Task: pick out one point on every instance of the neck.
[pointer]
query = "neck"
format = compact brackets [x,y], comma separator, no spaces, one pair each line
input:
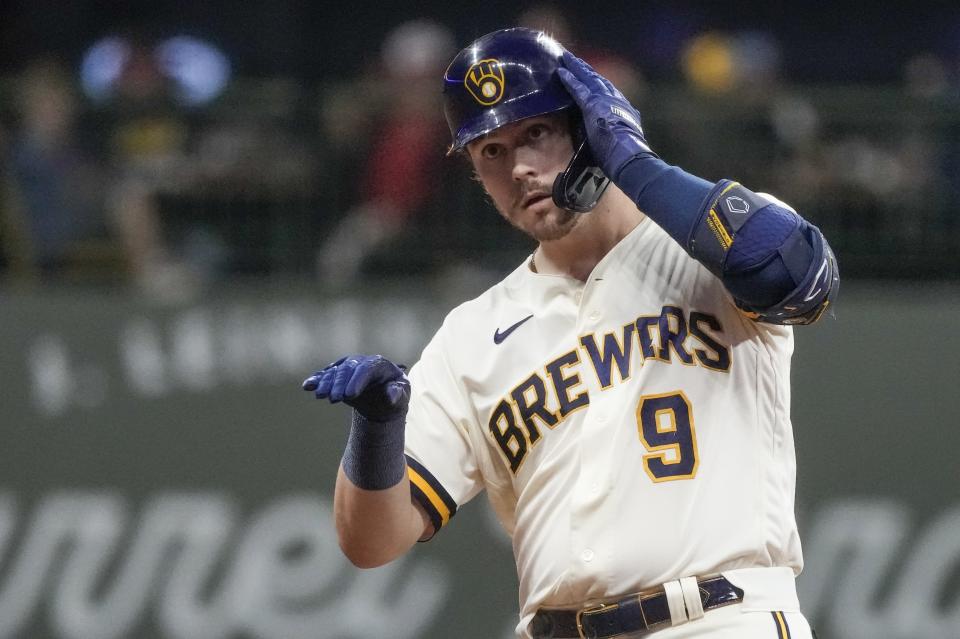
[577,253]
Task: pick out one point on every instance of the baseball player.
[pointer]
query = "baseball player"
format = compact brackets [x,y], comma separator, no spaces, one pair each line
[623,395]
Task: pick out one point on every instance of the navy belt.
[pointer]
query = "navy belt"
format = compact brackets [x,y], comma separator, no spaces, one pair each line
[645,611]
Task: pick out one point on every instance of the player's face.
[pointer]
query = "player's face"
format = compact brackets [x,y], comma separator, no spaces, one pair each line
[517,165]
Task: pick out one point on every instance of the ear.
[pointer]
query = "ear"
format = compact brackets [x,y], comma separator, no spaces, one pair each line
[467,156]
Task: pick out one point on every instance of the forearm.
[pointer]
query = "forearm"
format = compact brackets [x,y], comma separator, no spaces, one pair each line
[376,518]
[376,526]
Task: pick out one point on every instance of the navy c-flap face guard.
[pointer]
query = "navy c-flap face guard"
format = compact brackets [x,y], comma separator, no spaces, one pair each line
[579,187]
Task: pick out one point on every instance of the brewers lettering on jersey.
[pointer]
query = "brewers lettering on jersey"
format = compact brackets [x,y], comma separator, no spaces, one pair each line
[623,395]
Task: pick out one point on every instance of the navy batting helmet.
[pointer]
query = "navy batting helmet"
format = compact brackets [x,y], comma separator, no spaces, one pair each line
[502,77]
[509,75]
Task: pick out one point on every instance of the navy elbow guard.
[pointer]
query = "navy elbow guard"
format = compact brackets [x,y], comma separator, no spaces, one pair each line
[781,269]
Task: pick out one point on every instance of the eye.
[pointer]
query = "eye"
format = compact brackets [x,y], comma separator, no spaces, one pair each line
[537,131]
[491,151]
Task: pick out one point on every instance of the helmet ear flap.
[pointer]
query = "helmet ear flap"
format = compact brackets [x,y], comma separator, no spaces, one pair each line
[579,187]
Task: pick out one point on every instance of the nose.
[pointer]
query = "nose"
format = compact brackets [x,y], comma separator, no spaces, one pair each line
[524,163]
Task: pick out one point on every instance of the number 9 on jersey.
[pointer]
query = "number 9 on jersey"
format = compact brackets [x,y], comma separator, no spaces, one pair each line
[665,424]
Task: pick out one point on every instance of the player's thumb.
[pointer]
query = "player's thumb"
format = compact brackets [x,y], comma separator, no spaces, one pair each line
[397,393]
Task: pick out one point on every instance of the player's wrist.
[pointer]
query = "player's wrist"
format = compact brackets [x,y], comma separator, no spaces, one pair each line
[630,149]
[667,194]
[373,458]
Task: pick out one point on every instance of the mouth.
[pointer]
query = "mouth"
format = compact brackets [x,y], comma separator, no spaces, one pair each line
[534,198]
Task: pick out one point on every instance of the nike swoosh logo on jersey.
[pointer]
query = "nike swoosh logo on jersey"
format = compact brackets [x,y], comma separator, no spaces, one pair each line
[498,337]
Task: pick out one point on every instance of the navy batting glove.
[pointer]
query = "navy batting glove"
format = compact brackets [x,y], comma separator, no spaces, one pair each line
[372,385]
[378,391]
[612,124]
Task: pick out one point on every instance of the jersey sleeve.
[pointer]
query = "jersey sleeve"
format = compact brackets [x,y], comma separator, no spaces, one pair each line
[441,463]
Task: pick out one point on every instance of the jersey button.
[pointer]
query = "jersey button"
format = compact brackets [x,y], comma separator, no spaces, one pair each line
[577,297]
[594,316]
[587,555]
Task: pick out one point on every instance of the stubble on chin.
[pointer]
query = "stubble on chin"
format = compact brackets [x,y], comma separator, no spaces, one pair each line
[555,225]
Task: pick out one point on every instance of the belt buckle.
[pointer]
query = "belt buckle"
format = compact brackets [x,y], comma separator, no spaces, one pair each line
[593,610]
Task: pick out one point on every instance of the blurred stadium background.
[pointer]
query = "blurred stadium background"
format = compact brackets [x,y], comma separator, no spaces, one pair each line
[200,203]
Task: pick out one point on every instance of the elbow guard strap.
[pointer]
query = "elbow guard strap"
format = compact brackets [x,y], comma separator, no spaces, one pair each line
[727,209]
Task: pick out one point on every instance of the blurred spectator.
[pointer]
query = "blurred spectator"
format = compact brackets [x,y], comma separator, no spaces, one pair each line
[931,153]
[719,119]
[87,206]
[398,179]
[249,204]
[800,171]
[53,220]
[747,62]
[551,18]
[147,139]
[204,189]
[708,63]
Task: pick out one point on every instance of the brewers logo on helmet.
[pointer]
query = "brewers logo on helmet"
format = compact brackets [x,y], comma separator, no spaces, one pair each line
[484,81]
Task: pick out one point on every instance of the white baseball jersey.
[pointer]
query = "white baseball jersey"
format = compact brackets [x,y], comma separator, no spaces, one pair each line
[629,430]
